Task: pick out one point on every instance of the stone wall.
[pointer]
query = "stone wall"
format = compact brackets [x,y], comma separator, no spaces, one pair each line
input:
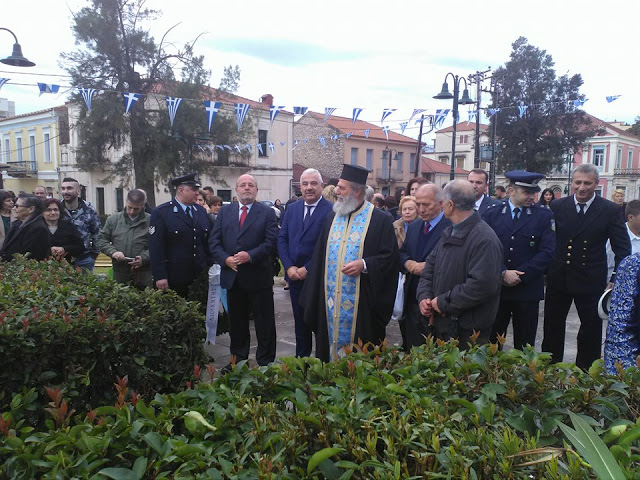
[328,161]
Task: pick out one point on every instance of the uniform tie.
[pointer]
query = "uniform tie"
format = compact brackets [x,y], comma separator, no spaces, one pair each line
[581,212]
[516,214]
[187,211]
[243,215]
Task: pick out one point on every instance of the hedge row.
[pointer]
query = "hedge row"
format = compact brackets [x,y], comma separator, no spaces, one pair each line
[61,327]
[435,413]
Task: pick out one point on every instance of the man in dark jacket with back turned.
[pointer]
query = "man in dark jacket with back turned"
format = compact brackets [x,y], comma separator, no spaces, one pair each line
[460,284]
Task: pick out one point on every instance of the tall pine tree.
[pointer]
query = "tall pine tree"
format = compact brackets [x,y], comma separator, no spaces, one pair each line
[117,53]
[551,126]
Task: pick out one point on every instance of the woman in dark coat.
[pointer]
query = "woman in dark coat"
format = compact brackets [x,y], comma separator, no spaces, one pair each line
[64,240]
[28,234]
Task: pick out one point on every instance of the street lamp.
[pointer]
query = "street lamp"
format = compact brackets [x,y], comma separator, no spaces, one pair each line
[16,59]
[389,151]
[465,100]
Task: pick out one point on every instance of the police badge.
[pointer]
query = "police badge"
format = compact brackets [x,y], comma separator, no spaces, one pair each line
[152,229]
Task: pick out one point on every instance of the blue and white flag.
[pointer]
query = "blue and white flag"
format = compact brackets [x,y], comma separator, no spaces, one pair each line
[386,112]
[241,113]
[323,142]
[283,143]
[328,111]
[295,144]
[416,112]
[522,109]
[48,88]
[385,129]
[579,102]
[273,112]
[347,135]
[441,115]
[238,148]
[493,111]
[259,147]
[3,81]
[228,147]
[335,136]
[300,110]
[403,127]
[272,147]
[173,103]
[130,100]
[611,98]
[367,132]
[221,147]
[248,147]
[306,140]
[212,110]
[356,114]
[471,116]
[87,94]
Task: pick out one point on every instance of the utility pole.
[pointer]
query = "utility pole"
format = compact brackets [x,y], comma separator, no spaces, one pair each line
[418,162]
[477,78]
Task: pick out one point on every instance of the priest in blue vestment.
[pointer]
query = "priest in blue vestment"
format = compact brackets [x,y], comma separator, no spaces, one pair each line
[351,283]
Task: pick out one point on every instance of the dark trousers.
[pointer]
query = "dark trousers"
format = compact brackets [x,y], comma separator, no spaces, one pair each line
[260,302]
[447,328]
[417,326]
[525,322]
[556,308]
[304,342]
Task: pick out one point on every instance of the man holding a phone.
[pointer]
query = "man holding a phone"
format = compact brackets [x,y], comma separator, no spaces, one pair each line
[125,238]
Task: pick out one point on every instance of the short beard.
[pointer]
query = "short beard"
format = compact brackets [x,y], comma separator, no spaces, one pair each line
[346,206]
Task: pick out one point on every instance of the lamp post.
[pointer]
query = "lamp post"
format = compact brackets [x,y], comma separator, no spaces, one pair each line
[465,100]
[16,59]
[569,167]
[389,152]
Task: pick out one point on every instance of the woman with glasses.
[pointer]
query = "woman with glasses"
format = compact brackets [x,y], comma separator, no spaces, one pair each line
[6,208]
[65,240]
[28,234]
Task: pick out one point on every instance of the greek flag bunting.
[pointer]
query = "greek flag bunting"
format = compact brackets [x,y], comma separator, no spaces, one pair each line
[221,147]
[328,111]
[323,142]
[347,135]
[48,88]
[403,127]
[385,129]
[356,114]
[441,115]
[579,102]
[173,103]
[248,147]
[367,132]
[3,81]
[241,113]
[282,143]
[386,112]
[493,111]
[238,148]
[471,116]
[416,112]
[272,147]
[522,109]
[130,100]
[228,147]
[212,110]
[611,98]
[273,112]
[300,110]
[259,147]
[335,136]
[87,94]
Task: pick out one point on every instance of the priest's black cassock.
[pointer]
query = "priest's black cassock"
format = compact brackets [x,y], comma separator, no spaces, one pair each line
[377,287]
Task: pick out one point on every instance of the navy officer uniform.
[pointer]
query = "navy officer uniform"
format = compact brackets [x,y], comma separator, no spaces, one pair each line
[179,240]
[527,234]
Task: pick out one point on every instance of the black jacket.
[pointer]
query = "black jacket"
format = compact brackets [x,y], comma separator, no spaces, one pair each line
[67,237]
[30,236]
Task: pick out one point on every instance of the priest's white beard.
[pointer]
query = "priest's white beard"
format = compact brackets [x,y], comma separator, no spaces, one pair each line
[346,206]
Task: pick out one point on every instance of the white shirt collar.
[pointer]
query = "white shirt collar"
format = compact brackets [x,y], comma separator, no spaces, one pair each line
[587,204]
[632,236]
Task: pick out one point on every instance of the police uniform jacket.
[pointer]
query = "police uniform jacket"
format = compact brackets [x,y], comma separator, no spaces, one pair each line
[178,244]
[528,246]
[580,262]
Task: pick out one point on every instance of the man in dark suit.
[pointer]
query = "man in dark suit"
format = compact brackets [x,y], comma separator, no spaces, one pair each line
[179,238]
[528,243]
[243,241]
[479,178]
[422,237]
[301,227]
[584,222]
[28,233]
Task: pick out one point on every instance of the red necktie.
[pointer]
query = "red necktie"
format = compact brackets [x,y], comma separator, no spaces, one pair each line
[427,227]
[243,215]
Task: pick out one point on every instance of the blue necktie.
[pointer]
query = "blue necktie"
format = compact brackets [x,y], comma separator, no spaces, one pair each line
[307,216]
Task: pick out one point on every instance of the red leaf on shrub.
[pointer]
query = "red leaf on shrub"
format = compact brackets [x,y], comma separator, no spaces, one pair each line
[134,399]
[81,300]
[34,309]
[211,369]
[25,324]
[101,421]
[196,371]
[67,318]
[188,384]
[91,415]
[4,426]
[55,395]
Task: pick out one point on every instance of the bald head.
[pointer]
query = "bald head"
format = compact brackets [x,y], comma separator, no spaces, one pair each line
[246,189]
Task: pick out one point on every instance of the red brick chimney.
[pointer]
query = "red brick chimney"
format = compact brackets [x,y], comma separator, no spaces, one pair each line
[267,99]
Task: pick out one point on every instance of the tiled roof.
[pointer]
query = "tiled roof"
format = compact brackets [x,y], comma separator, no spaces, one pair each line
[430,165]
[37,112]
[345,125]
[601,123]
[463,127]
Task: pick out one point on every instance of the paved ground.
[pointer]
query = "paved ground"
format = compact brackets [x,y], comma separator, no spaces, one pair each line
[287,342]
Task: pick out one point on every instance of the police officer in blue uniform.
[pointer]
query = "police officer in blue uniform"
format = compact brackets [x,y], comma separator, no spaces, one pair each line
[527,233]
[179,238]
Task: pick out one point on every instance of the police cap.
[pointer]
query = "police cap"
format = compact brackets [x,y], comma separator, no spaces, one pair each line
[528,180]
[189,179]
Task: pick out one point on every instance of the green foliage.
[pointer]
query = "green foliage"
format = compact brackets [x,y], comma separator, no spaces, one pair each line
[635,128]
[435,413]
[551,126]
[60,327]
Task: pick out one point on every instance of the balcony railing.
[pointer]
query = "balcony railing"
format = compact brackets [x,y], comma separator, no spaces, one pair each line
[22,168]
[626,171]
[382,175]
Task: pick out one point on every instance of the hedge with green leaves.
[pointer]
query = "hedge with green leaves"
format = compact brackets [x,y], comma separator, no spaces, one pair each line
[61,327]
[434,413]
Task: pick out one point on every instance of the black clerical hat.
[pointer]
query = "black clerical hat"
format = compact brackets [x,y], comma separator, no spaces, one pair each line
[354,173]
[189,179]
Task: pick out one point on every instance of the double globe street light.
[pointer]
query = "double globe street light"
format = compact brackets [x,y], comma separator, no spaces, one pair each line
[465,100]
[16,59]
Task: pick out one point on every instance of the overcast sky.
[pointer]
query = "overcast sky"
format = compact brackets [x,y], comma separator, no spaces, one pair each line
[346,54]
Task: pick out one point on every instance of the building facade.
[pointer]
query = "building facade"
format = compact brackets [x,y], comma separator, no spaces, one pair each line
[465,145]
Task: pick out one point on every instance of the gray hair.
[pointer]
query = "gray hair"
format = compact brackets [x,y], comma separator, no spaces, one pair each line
[587,168]
[461,193]
[368,195]
[437,191]
[312,171]
[31,200]
[137,196]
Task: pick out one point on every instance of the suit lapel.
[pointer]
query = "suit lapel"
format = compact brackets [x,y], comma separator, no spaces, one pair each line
[589,217]
[251,217]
